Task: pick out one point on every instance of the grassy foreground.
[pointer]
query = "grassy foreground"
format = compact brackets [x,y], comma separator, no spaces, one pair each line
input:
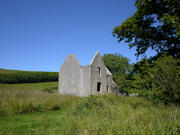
[39,112]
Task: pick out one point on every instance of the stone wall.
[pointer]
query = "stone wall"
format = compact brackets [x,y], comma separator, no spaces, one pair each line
[98,76]
[85,81]
[69,76]
[109,80]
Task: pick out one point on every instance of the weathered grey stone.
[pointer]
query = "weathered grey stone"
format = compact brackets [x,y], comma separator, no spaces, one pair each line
[82,81]
[133,94]
[69,76]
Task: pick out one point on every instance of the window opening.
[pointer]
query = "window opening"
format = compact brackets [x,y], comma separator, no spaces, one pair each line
[99,71]
[107,89]
[98,87]
[107,77]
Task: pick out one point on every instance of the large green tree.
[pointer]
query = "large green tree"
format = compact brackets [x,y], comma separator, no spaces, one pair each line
[117,64]
[155,25]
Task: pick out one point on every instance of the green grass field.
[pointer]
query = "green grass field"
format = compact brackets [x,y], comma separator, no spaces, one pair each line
[30,86]
[27,109]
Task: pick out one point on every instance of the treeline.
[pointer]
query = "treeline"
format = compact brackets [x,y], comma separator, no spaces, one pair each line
[28,77]
[157,80]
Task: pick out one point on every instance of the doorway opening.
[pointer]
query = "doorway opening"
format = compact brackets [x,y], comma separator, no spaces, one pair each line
[98,87]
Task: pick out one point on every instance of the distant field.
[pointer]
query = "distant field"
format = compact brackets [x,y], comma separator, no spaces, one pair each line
[4,71]
[17,77]
[30,86]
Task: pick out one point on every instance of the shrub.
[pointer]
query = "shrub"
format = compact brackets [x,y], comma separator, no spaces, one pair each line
[48,90]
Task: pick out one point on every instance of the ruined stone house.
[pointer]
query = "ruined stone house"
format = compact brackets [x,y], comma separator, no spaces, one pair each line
[82,81]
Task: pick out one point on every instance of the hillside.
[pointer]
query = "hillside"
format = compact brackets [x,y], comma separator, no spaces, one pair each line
[16,76]
[6,71]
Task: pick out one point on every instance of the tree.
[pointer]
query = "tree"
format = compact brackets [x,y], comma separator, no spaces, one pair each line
[117,64]
[166,76]
[142,79]
[120,67]
[155,25]
[158,81]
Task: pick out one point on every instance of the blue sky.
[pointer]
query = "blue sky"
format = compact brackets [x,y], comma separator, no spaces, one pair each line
[37,35]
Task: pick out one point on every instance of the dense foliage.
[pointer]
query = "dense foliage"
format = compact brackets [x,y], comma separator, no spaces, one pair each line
[158,81]
[155,25]
[117,64]
[28,77]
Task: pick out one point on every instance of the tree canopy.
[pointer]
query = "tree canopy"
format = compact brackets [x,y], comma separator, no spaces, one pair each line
[158,81]
[117,64]
[155,25]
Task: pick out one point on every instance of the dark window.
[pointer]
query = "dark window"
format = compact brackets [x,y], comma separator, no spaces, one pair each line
[107,89]
[99,71]
[98,87]
[107,78]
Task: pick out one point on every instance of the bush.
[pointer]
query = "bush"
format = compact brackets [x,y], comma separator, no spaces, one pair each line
[48,90]
[93,102]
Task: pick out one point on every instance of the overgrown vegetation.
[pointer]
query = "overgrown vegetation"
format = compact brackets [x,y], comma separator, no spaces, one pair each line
[97,114]
[20,102]
[46,112]
[15,77]
[158,81]
[108,114]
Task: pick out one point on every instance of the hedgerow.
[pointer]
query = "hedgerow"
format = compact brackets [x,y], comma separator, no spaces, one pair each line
[28,77]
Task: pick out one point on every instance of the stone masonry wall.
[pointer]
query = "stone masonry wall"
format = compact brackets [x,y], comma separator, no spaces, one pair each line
[69,76]
[97,63]
[85,81]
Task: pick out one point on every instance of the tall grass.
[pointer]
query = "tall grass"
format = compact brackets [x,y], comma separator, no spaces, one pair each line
[19,102]
[109,114]
[97,114]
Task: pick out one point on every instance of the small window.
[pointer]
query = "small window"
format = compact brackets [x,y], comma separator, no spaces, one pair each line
[107,89]
[107,77]
[99,71]
[98,87]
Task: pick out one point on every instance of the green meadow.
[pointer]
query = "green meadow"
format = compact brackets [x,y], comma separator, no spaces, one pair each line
[36,108]
[30,86]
